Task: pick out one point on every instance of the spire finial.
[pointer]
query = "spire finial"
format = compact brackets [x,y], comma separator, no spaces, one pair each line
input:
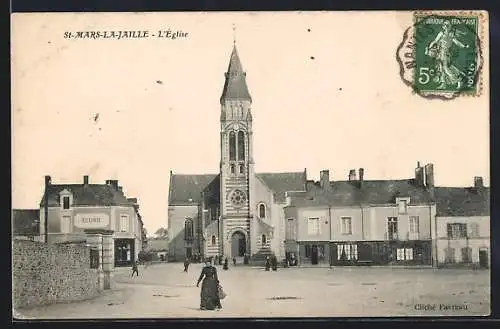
[234,34]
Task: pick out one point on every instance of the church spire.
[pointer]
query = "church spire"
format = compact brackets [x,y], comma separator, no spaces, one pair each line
[235,86]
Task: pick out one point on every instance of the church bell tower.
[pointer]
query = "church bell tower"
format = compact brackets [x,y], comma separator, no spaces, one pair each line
[236,163]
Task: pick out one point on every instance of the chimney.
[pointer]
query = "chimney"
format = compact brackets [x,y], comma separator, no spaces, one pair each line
[85,180]
[352,175]
[120,189]
[478,182]
[48,180]
[324,179]
[419,175]
[361,176]
[429,175]
[113,183]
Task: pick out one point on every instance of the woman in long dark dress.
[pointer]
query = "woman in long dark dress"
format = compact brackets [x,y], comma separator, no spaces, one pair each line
[209,288]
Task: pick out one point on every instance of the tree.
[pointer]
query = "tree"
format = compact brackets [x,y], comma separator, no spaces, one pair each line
[144,234]
[161,233]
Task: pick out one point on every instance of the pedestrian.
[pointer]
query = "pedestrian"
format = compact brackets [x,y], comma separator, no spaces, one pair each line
[268,263]
[226,265]
[135,269]
[274,262]
[293,261]
[216,260]
[209,296]
[186,265]
[234,261]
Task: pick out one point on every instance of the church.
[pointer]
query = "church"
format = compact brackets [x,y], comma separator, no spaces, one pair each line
[237,211]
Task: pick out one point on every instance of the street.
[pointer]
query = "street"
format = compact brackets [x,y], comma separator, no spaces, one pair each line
[165,291]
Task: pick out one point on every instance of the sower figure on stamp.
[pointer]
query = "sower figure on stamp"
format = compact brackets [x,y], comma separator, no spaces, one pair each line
[209,288]
[440,49]
[135,269]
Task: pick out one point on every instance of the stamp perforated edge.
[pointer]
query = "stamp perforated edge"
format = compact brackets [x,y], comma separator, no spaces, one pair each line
[482,20]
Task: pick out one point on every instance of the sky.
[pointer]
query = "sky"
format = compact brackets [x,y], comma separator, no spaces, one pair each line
[326,95]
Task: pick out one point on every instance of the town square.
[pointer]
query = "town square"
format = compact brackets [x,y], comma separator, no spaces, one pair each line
[165,291]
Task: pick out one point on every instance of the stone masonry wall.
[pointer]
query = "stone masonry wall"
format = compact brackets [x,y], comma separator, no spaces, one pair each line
[46,274]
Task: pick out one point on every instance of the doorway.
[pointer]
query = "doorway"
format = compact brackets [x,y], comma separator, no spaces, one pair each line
[365,252]
[314,254]
[392,228]
[124,252]
[483,258]
[238,244]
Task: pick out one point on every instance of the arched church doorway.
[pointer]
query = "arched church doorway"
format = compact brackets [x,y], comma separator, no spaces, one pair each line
[238,244]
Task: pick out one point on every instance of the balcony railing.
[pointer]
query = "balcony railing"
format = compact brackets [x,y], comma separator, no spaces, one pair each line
[391,236]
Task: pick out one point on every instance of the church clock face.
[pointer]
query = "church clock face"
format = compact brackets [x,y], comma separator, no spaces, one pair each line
[238,198]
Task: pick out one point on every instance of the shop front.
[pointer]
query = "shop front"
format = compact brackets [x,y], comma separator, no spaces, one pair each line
[380,253]
[125,252]
[314,253]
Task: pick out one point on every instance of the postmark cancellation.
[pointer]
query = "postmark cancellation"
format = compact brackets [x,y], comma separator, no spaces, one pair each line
[441,54]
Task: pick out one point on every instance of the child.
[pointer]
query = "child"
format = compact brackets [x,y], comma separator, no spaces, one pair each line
[135,269]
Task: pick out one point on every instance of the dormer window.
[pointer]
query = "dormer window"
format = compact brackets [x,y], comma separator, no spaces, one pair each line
[403,205]
[65,202]
[66,199]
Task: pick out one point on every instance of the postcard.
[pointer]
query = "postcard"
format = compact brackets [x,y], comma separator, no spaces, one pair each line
[250,164]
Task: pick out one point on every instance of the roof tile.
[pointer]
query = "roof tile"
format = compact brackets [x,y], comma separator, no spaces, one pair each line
[462,201]
[372,192]
[235,86]
[187,189]
[87,195]
[26,221]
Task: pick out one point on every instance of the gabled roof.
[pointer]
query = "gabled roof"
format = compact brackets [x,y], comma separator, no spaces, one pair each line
[26,222]
[349,193]
[462,201]
[87,195]
[186,189]
[280,183]
[235,86]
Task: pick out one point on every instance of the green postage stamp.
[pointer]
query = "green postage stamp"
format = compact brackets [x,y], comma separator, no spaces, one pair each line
[440,56]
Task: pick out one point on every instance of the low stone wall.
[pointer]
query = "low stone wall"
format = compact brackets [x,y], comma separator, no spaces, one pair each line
[46,274]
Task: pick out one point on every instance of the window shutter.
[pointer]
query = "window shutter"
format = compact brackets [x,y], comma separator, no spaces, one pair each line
[474,230]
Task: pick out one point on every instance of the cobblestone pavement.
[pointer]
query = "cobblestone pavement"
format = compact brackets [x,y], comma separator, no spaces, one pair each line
[163,290]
